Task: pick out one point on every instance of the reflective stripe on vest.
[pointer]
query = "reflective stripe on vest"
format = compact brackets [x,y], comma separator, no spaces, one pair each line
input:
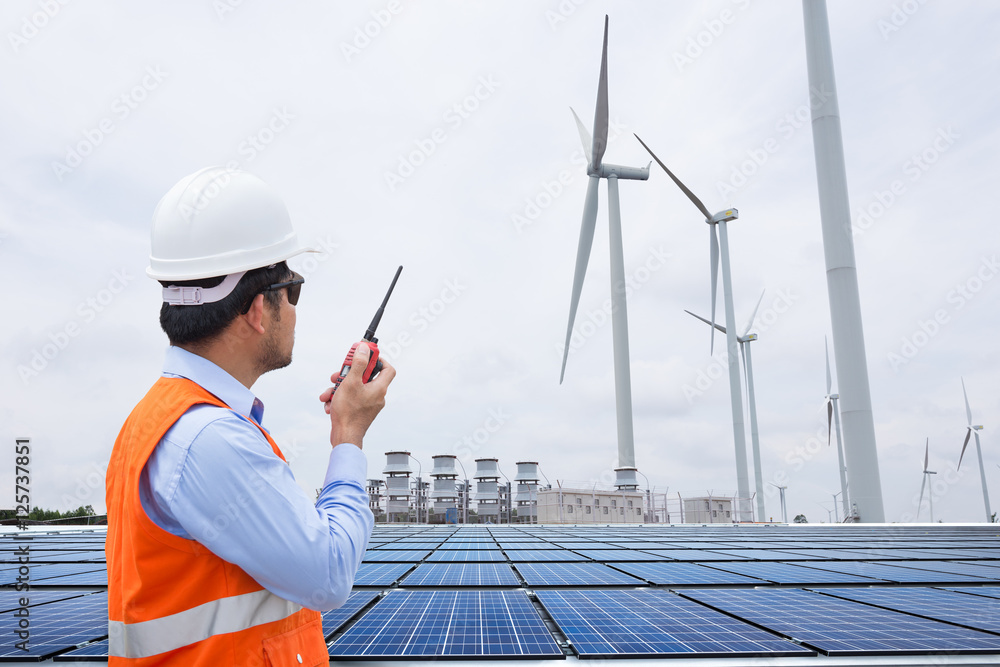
[230,614]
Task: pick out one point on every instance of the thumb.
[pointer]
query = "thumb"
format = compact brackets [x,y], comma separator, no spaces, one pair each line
[361,355]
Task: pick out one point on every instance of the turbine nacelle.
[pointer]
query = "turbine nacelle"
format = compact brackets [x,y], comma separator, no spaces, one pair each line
[723,216]
[606,170]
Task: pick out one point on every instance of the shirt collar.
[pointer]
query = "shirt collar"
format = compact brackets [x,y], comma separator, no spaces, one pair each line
[181,363]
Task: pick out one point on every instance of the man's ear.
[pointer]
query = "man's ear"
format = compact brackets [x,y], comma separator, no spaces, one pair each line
[255,316]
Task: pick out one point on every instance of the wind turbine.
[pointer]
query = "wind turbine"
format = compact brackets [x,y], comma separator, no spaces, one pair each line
[596,170]
[974,430]
[831,413]
[781,491]
[720,246]
[930,495]
[744,339]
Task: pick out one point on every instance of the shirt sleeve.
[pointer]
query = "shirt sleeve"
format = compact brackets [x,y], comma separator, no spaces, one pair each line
[241,501]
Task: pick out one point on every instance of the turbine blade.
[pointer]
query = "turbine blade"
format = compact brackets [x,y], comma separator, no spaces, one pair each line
[829,378]
[753,316]
[968,433]
[921,501]
[714,247]
[601,114]
[968,410]
[584,136]
[829,419]
[582,258]
[927,453]
[719,327]
[690,195]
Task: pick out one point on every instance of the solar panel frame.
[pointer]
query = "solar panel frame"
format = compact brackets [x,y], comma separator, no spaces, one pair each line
[684,574]
[574,574]
[978,613]
[461,574]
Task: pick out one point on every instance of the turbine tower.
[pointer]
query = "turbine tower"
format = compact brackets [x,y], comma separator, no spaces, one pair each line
[744,339]
[974,430]
[930,487]
[781,490]
[596,170]
[720,246]
[832,413]
[841,271]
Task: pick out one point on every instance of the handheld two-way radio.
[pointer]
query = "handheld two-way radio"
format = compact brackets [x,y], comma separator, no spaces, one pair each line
[374,364]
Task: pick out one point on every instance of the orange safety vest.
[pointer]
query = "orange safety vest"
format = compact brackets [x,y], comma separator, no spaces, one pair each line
[171,601]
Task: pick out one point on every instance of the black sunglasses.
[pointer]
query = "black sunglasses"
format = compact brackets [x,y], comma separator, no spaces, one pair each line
[294,288]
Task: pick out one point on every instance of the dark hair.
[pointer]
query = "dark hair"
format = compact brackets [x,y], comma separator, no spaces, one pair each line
[193,325]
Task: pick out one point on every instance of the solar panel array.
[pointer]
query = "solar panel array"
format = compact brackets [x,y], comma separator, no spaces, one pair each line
[545,592]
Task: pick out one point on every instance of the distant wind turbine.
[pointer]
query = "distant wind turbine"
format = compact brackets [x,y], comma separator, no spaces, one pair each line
[832,412]
[974,430]
[744,339]
[596,170]
[719,246]
[930,489]
[781,491]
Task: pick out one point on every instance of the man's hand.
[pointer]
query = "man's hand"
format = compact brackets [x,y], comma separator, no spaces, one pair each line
[356,404]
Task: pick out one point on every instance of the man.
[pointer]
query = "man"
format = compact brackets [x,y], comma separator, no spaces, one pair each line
[215,555]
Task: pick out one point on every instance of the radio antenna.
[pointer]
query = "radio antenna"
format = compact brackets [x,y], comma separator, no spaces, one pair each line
[370,333]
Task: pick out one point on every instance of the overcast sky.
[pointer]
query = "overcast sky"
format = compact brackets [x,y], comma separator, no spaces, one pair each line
[438,135]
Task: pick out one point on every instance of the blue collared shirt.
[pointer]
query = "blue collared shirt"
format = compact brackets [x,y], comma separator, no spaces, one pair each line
[215,479]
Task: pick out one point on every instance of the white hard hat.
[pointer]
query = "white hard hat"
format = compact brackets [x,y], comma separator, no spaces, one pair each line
[218,222]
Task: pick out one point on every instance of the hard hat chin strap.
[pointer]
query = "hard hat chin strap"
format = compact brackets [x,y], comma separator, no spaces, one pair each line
[196,296]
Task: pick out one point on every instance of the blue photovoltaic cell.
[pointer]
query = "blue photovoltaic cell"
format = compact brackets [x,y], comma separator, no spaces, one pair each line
[649,623]
[951,568]
[334,618]
[893,572]
[617,555]
[980,613]
[96,652]
[379,556]
[380,574]
[842,627]
[544,556]
[522,545]
[895,554]
[38,573]
[407,624]
[10,599]
[574,574]
[692,555]
[466,556]
[461,574]
[674,573]
[987,591]
[787,573]
[57,626]
[403,545]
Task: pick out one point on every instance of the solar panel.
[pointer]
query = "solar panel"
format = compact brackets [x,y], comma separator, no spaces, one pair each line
[448,623]
[544,556]
[574,574]
[692,555]
[842,627]
[94,652]
[10,599]
[651,623]
[380,574]
[768,554]
[683,574]
[461,574]
[56,627]
[952,568]
[335,618]
[980,613]
[787,573]
[39,573]
[379,556]
[467,556]
[893,572]
[617,555]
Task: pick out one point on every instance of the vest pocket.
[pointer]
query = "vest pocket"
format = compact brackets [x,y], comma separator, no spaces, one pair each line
[304,646]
